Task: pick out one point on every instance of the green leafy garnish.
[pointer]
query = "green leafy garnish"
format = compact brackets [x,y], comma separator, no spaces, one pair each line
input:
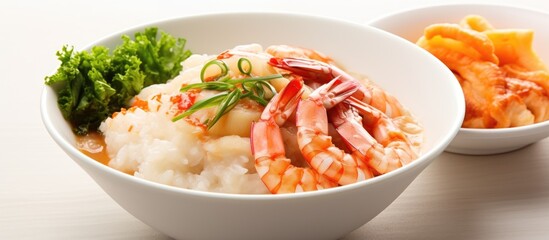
[93,84]
[231,90]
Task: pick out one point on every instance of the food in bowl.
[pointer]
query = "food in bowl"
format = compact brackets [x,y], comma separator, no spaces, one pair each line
[181,213]
[247,120]
[478,141]
[504,81]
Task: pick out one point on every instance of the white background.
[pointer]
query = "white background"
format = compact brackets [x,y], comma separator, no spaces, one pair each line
[45,195]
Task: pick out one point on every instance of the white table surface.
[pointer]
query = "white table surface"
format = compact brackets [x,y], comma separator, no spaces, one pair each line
[45,195]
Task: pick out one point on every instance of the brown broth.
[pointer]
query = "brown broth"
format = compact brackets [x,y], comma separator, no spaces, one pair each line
[94,146]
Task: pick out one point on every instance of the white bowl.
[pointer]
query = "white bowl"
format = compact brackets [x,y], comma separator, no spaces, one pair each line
[410,24]
[394,63]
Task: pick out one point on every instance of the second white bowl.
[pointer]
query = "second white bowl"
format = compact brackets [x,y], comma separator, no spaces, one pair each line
[410,24]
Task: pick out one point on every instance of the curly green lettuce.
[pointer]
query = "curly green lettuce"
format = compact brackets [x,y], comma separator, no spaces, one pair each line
[93,84]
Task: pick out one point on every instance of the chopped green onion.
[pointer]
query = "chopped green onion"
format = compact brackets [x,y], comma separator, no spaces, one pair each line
[206,103]
[222,67]
[217,85]
[226,105]
[259,100]
[241,68]
[232,90]
[256,79]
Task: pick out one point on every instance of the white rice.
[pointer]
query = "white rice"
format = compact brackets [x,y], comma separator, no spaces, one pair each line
[151,146]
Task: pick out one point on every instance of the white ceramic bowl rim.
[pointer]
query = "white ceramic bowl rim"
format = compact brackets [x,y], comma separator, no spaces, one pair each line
[516,131]
[435,150]
[472,5]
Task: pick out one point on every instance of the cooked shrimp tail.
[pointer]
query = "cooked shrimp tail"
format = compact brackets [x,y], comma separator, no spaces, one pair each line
[307,68]
[320,72]
[274,168]
[316,71]
[315,143]
[284,103]
[379,142]
[334,92]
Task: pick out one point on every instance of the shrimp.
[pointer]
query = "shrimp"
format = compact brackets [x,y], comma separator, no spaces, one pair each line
[317,71]
[375,139]
[314,142]
[274,168]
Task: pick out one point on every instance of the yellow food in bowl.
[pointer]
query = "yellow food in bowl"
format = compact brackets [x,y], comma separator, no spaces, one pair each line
[504,82]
